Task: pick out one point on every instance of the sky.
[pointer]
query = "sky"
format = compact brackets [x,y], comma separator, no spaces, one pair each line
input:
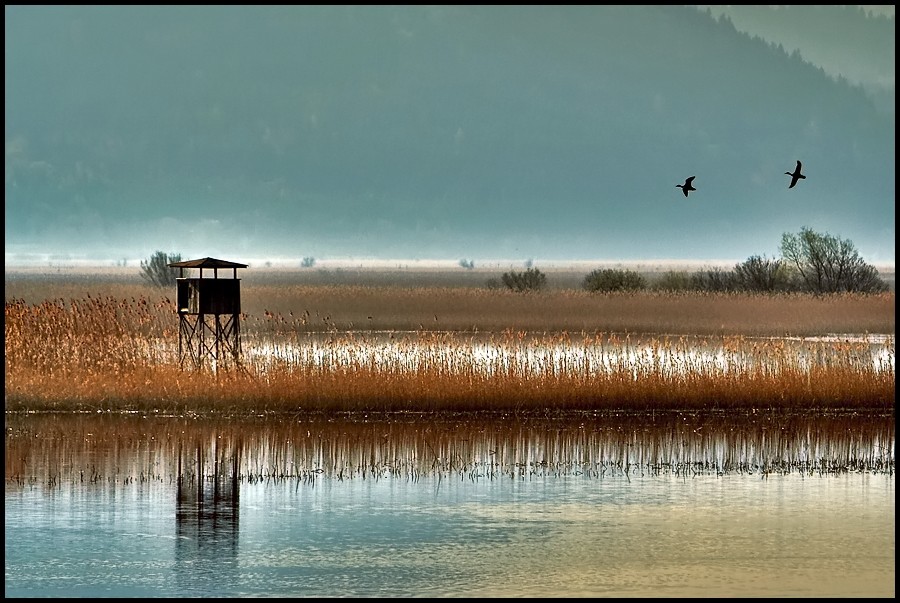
[444,132]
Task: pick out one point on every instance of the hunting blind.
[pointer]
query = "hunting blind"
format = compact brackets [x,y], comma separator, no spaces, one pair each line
[209,311]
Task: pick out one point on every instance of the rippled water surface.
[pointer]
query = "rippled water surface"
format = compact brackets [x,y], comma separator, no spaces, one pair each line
[674,505]
[537,354]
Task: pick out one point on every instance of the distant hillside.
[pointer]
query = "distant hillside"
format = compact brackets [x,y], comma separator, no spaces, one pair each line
[849,41]
[448,131]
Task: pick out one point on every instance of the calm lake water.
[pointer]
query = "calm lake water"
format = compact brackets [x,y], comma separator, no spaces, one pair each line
[668,505]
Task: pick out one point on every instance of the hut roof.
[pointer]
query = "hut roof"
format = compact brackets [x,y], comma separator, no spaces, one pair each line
[207,263]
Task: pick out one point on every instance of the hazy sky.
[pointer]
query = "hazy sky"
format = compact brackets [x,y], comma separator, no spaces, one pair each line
[555,133]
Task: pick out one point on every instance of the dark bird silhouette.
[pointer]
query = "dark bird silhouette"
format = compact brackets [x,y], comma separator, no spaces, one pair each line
[796,175]
[687,186]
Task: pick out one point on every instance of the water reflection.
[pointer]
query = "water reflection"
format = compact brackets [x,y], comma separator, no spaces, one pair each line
[543,354]
[209,457]
[665,505]
[207,505]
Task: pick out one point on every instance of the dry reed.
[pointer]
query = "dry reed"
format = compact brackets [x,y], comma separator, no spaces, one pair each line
[120,353]
[311,308]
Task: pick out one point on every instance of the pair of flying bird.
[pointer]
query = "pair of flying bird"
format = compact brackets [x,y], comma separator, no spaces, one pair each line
[688,185]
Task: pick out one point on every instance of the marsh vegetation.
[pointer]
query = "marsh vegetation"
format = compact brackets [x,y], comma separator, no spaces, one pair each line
[79,346]
[557,424]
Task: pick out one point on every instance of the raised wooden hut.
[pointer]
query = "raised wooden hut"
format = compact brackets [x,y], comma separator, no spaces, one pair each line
[209,311]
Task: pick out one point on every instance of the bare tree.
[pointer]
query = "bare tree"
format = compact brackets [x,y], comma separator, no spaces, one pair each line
[762,274]
[156,270]
[714,280]
[828,264]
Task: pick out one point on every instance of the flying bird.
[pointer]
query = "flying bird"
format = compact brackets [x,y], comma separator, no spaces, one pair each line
[796,175]
[687,186]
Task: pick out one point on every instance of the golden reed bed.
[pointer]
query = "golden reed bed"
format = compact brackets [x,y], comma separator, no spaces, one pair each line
[80,346]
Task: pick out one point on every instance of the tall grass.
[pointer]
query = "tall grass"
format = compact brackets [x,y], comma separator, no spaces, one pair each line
[98,353]
[311,308]
[458,309]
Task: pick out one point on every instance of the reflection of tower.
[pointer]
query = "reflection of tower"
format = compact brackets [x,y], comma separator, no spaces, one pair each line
[209,312]
[207,509]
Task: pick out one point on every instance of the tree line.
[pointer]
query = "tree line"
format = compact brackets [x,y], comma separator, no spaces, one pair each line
[810,262]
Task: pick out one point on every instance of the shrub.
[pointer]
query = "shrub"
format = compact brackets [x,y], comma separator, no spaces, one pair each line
[531,279]
[674,281]
[714,281]
[156,270]
[614,280]
[760,274]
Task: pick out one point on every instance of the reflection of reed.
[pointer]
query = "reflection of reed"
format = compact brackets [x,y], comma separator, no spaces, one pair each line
[220,453]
